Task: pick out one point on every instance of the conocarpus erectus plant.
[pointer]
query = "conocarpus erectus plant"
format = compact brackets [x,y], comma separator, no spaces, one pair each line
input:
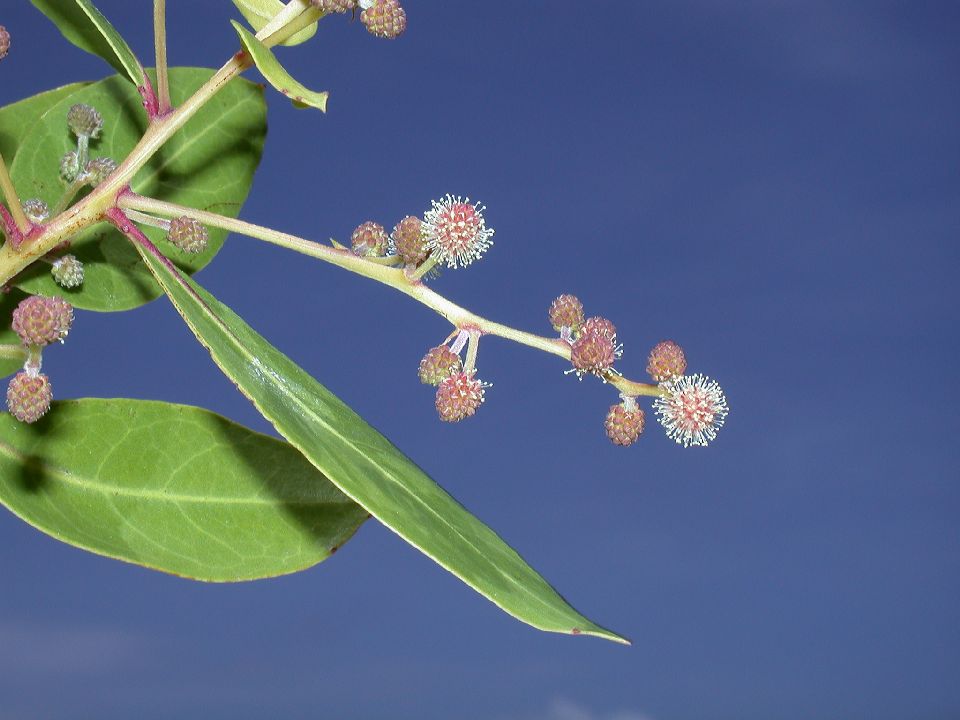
[99,151]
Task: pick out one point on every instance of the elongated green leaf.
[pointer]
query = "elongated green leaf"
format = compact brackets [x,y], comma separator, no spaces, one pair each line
[275,73]
[18,118]
[208,164]
[172,487]
[259,12]
[82,24]
[365,466]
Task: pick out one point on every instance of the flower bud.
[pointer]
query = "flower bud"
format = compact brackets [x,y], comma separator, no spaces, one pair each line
[666,361]
[29,396]
[98,169]
[84,121]
[459,396]
[4,42]
[624,422]
[369,240]
[36,210]
[438,364]
[408,240]
[385,19]
[187,234]
[566,311]
[69,167]
[40,320]
[67,271]
[334,6]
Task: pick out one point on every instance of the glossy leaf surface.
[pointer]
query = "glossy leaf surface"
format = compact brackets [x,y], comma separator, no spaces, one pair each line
[365,465]
[208,164]
[82,24]
[276,74]
[173,488]
[18,118]
[260,12]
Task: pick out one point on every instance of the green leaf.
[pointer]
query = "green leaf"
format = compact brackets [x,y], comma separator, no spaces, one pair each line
[208,164]
[18,118]
[82,24]
[365,465]
[260,12]
[274,72]
[173,488]
[8,303]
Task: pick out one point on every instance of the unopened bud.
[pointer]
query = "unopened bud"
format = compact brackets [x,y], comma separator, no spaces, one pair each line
[385,19]
[67,271]
[566,311]
[69,166]
[36,210]
[666,361]
[40,320]
[187,234]
[334,6]
[438,364]
[459,396]
[4,42]
[624,422]
[408,240]
[369,240]
[29,396]
[98,169]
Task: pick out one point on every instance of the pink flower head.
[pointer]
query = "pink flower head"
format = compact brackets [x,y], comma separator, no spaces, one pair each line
[693,410]
[455,231]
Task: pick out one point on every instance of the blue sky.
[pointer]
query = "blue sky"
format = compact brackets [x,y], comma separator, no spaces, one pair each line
[774,185]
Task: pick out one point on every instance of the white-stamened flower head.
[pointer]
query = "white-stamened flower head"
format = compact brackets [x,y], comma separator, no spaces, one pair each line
[693,410]
[455,231]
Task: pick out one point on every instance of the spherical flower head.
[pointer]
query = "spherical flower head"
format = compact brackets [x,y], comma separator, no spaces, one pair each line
[459,396]
[29,396]
[438,364]
[566,312]
[666,361]
[84,121]
[36,210]
[407,240]
[188,234]
[599,326]
[456,232]
[369,240]
[334,6]
[98,169]
[40,320]
[693,410]
[384,18]
[624,422]
[67,271]
[4,42]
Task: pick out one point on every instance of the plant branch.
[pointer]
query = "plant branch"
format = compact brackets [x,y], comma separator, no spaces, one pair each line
[395,278]
[13,200]
[160,43]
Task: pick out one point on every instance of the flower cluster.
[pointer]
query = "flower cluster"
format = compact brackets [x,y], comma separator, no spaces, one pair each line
[459,393]
[382,18]
[453,232]
[38,322]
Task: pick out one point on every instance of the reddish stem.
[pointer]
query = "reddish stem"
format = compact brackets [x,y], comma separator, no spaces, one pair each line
[10,227]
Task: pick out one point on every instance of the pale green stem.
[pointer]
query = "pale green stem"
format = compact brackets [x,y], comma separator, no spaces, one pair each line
[13,200]
[473,344]
[13,352]
[145,219]
[395,278]
[160,43]
[424,268]
[68,195]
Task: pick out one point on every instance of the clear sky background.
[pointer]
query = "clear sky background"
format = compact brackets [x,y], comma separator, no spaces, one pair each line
[773,184]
